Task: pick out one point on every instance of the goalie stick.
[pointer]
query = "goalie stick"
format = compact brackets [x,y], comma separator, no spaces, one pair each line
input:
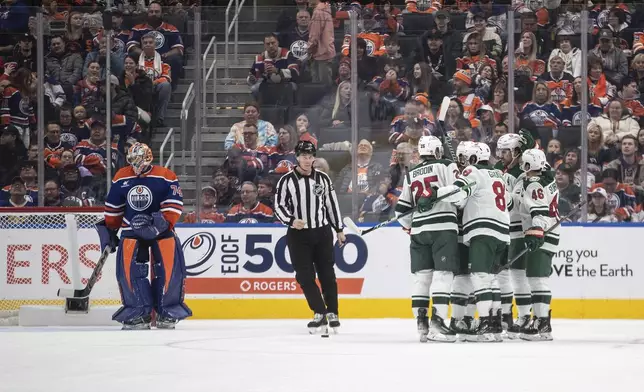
[523,252]
[84,293]
[352,225]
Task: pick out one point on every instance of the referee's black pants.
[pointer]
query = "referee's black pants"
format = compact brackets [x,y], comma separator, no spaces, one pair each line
[311,251]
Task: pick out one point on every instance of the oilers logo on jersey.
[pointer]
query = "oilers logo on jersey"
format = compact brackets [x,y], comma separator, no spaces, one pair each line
[139,197]
[248,221]
[300,49]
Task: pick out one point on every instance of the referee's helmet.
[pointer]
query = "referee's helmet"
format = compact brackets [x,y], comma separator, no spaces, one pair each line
[304,147]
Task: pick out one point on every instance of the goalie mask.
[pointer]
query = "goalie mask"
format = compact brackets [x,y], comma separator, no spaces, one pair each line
[533,160]
[139,156]
[430,146]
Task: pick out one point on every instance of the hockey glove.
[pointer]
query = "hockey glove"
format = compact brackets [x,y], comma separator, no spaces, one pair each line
[526,140]
[107,236]
[148,227]
[427,199]
[534,238]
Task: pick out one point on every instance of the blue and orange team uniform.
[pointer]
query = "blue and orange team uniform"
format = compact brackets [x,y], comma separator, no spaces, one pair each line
[32,194]
[122,129]
[281,162]
[167,37]
[261,213]
[15,109]
[155,190]
[399,124]
[54,151]
[156,74]
[94,157]
[285,63]
[257,158]
[205,217]
[375,44]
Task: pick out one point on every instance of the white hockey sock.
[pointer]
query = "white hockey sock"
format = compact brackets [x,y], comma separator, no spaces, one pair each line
[496,295]
[506,291]
[460,296]
[441,285]
[482,290]
[522,293]
[470,311]
[541,296]
[422,280]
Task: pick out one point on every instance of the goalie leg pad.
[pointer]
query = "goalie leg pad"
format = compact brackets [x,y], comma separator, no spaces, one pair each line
[541,296]
[168,283]
[422,280]
[132,278]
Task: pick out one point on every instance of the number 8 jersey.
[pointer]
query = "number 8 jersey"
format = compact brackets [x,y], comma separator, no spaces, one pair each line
[487,203]
[540,207]
[430,173]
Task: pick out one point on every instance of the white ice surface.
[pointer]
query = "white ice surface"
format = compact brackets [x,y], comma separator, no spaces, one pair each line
[280,355]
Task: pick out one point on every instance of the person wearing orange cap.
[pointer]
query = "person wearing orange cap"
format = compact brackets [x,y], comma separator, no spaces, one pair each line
[463,91]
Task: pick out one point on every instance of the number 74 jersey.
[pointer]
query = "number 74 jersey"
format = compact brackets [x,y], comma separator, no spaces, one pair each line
[540,208]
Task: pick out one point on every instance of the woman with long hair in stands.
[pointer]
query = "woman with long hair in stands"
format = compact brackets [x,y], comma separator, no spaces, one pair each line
[87,90]
[571,107]
[75,32]
[541,110]
[616,122]
[304,129]
[282,158]
[498,97]
[598,208]
[598,153]
[340,113]
[526,56]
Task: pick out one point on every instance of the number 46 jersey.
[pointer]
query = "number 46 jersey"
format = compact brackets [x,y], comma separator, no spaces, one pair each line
[540,207]
[486,203]
[430,173]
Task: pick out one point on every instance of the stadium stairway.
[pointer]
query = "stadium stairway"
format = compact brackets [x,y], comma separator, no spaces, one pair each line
[232,92]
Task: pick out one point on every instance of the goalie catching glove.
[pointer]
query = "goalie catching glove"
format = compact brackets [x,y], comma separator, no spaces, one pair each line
[149,227]
[534,238]
[427,199]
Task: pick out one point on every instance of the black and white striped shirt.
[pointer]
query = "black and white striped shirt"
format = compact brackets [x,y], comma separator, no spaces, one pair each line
[309,198]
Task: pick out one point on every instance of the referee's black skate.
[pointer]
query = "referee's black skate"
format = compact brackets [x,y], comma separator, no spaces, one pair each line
[540,330]
[318,324]
[334,321]
[422,321]
[438,331]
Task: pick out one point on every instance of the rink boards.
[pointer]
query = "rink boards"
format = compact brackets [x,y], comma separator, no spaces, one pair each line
[244,271]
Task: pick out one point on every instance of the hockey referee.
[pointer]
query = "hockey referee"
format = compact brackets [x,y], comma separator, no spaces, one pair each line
[306,202]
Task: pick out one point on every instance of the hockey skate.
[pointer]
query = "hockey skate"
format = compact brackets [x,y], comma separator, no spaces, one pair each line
[334,321]
[438,331]
[484,332]
[519,327]
[318,324]
[139,323]
[460,327]
[166,323]
[423,324]
[497,326]
[540,330]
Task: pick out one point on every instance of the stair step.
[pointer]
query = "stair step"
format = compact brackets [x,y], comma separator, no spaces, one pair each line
[243,47]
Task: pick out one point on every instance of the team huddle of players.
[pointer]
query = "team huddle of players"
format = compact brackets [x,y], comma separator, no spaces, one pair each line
[472,219]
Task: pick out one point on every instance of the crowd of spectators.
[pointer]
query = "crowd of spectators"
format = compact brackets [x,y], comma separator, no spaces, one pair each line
[146,61]
[411,55]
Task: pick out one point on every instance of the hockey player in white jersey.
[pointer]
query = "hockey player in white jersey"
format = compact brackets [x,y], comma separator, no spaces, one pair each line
[486,226]
[508,149]
[433,229]
[539,212]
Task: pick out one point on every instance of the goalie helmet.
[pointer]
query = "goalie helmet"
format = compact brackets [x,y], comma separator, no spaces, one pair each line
[430,146]
[533,160]
[509,141]
[139,156]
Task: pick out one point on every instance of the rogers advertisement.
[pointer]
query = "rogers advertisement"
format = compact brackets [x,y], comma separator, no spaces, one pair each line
[248,261]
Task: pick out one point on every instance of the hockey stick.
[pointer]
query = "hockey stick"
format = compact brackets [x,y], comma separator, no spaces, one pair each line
[84,293]
[352,225]
[447,140]
[526,250]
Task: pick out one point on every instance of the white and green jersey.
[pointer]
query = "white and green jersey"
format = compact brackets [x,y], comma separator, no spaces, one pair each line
[540,207]
[513,178]
[428,174]
[486,204]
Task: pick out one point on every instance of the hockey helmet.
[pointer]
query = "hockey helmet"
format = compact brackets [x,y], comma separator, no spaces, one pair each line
[139,156]
[430,146]
[509,141]
[464,151]
[304,147]
[533,160]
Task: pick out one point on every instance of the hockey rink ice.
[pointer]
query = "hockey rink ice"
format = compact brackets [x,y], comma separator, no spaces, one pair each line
[280,355]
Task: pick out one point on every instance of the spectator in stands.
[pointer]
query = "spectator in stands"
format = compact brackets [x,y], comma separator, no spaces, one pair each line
[615,123]
[618,24]
[158,71]
[432,53]
[564,177]
[100,56]
[598,154]
[613,59]
[601,90]
[553,152]
[367,65]
[137,84]
[629,165]
[75,194]
[122,102]
[32,152]
[369,173]
[17,106]
[303,127]
[337,112]
[266,192]
[241,165]
[526,56]
[400,164]
[392,53]
[420,79]
[640,144]
[296,39]
[619,195]
[64,65]
[29,175]
[18,195]
[168,41]
[491,40]
[287,19]
[54,146]
[637,69]
[500,129]
[571,108]
[485,132]
[76,33]
[570,55]
[250,210]
[455,112]
[558,81]
[630,95]
[225,188]
[499,97]
[390,16]
[322,165]
[121,35]
[92,152]
[256,156]
[452,42]
[344,70]
[12,151]
[53,197]
[15,16]
[70,133]
[56,96]
[24,53]
[541,110]
[266,132]
[321,46]
[87,90]
[599,209]
[483,82]
[474,55]
[463,91]
[281,158]
[377,207]
[274,66]
[391,89]
[208,213]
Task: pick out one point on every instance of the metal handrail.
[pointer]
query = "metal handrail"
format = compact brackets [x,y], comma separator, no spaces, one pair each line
[206,74]
[234,23]
[185,108]
[170,161]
